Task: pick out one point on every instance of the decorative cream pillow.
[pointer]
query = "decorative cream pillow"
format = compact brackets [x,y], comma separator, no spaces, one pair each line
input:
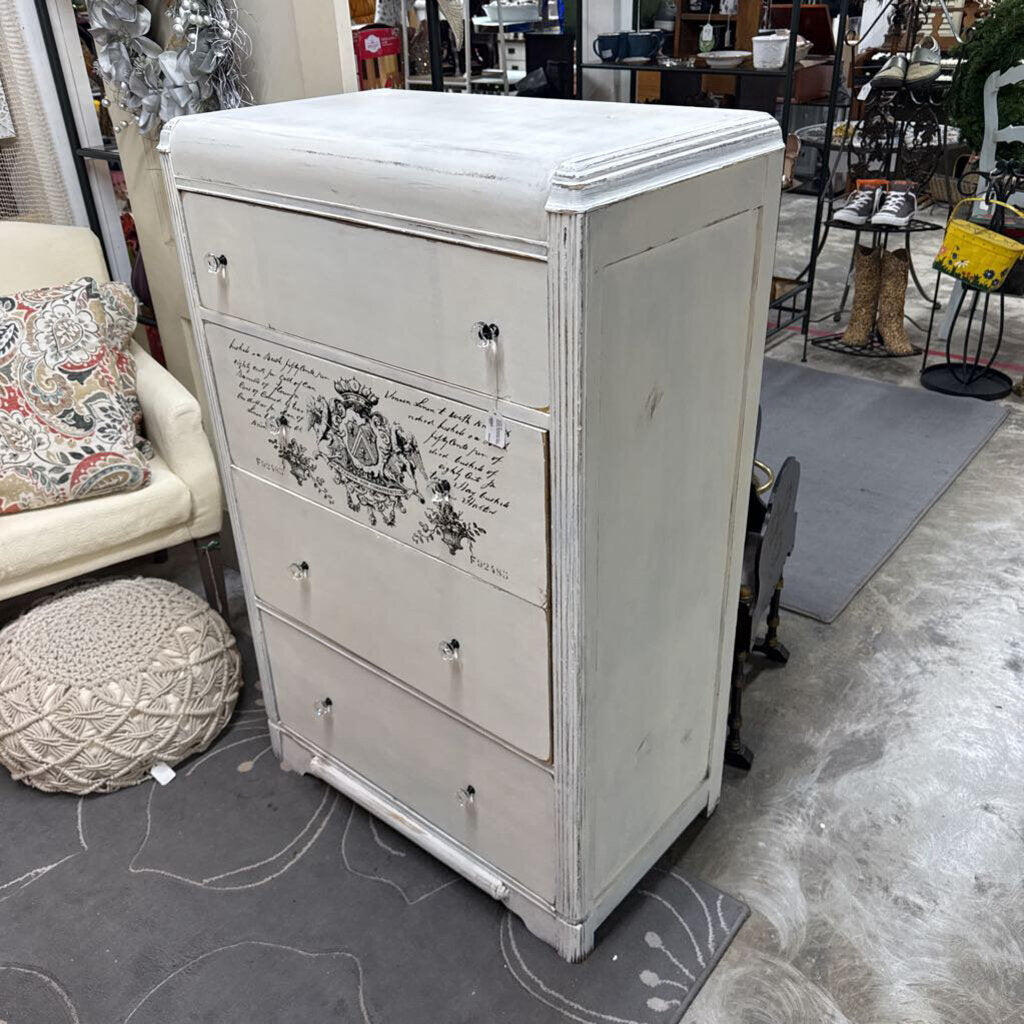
[67,426]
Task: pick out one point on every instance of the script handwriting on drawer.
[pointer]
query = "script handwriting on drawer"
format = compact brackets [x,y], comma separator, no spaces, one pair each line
[396,458]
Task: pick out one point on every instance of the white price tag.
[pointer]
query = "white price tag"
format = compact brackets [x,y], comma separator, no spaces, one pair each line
[163,773]
[865,91]
[497,431]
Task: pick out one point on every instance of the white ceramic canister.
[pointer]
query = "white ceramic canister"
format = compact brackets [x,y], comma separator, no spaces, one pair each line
[770,51]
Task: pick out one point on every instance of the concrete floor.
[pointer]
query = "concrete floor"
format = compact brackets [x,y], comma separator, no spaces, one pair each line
[879,838]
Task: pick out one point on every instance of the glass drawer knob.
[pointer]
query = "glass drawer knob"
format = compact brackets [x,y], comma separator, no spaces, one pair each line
[486,334]
[216,262]
[465,796]
[299,570]
[323,707]
[449,649]
[282,427]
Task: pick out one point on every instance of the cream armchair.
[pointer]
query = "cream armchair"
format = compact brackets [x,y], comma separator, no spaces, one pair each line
[182,501]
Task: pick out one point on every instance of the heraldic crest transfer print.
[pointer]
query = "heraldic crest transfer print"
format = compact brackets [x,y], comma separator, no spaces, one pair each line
[345,436]
[377,462]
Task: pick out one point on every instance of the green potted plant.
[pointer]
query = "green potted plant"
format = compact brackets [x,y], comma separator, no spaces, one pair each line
[995,44]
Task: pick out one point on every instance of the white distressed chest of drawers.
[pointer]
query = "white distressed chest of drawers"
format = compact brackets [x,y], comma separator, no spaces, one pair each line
[484,374]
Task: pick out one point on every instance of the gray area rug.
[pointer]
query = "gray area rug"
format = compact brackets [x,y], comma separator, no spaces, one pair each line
[873,457]
[244,894]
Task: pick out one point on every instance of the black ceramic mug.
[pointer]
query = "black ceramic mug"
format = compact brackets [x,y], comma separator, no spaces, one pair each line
[643,44]
[612,46]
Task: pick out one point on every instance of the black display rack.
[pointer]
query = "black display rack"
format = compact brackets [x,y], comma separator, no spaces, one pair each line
[899,136]
[874,349]
[793,304]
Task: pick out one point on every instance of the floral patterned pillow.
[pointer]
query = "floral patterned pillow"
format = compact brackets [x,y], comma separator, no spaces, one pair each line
[67,428]
[122,311]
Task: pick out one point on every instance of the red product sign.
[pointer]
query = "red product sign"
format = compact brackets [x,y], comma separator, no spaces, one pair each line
[377,42]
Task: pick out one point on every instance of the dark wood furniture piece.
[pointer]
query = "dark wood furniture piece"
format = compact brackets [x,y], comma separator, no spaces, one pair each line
[771,532]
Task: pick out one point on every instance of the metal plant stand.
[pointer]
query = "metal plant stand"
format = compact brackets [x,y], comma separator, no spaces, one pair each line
[969,376]
[966,375]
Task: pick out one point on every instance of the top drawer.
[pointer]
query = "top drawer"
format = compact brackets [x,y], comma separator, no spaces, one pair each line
[406,301]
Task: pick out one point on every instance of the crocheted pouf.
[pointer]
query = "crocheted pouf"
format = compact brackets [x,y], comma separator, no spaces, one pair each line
[102,682]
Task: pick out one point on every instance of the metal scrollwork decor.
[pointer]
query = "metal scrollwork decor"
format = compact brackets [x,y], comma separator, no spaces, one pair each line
[899,136]
[198,70]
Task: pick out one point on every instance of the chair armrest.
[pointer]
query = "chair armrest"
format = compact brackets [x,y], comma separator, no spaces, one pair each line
[173,422]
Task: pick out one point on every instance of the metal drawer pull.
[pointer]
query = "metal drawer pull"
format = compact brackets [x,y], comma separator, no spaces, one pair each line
[486,334]
[299,571]
[442,492]
[216,262]
[466,796]
[449,649]
[323,707]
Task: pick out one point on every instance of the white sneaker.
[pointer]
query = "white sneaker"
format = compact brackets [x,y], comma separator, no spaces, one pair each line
[897,210]
[860,207]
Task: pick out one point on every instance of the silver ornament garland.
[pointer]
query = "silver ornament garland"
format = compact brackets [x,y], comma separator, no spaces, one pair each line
[198,71]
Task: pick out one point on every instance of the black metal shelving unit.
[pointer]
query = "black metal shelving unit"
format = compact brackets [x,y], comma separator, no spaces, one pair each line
[794,304]
[874,349]
[904,114]
[80,154]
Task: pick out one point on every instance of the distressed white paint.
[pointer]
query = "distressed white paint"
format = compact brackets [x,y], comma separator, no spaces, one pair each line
[418,754]
[376,595]
[655,231]
[347,303]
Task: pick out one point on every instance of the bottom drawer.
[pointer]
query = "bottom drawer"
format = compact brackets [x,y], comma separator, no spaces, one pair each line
[495,802]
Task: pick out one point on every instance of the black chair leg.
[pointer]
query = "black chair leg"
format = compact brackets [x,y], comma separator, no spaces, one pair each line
[770,646]
[211,568]
[737,754]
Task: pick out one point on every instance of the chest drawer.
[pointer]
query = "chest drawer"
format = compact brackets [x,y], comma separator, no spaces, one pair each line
[395,607]
[409,464]
[484,796]
[408,301]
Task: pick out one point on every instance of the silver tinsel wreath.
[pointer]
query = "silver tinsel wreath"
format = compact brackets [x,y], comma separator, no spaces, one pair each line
[198,71]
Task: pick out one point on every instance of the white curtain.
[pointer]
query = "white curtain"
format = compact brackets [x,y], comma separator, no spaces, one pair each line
[6,124]
[32,186]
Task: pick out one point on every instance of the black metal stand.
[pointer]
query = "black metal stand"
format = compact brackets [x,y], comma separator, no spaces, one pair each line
[825,191]
[434,46]
[794,304]
[881,234]
[875,348]
[880,143]
[968,377]
[78,154]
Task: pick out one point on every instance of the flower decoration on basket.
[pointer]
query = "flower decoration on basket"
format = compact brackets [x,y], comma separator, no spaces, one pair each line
[975,254]
[198,70]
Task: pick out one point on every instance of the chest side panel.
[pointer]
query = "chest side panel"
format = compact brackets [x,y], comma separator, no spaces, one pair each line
[670,364]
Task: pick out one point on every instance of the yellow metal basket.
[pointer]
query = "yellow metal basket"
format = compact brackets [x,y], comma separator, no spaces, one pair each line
[975,254]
